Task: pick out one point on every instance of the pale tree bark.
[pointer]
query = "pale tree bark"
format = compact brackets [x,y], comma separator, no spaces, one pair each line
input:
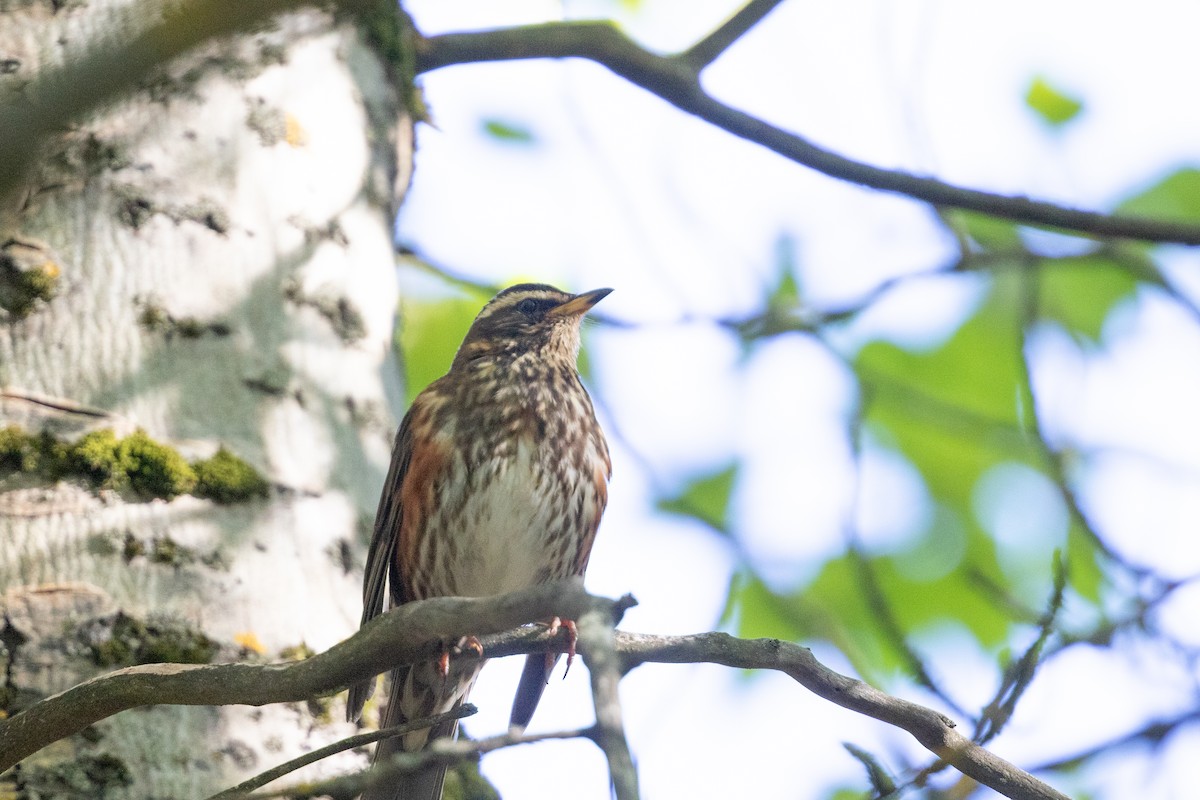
[209,260]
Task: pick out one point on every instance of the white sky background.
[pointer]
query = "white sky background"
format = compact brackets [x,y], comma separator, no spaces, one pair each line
[683,221]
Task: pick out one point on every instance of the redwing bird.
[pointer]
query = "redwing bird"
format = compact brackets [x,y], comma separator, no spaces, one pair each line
[498,480]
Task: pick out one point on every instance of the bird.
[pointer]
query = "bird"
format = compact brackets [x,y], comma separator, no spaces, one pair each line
[498,480]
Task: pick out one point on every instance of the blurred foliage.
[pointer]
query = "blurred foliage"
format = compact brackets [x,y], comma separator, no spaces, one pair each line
[429,334]
[956,412]
[509,132]
[1051,104]
[1175,197]
[705,498]
[959,411]
[1079,293]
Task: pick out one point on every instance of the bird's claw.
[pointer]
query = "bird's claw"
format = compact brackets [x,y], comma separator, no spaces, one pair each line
[553,627]
[443,663]
[464,644]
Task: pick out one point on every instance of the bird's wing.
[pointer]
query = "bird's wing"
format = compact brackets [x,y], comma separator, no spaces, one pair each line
[381,555]
[417,690]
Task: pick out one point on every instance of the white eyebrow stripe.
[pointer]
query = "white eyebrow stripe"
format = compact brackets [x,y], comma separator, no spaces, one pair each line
[510,300]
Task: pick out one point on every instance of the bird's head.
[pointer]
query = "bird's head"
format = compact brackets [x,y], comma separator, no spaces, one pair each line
[529,317]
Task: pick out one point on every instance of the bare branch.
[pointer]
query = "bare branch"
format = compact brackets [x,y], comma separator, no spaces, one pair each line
[402,636]
[1152,733]
[596,637]
[1052,459]
[933,730]
[893,632]
[444,751]
[674,79]
[263,778]
[413,632]
[710,48]
[1019,675]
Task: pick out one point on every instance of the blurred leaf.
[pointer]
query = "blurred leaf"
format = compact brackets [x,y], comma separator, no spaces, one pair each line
[1079,293]
[1085,574]
[847,794]
[705,499]
[428,337]
[783,309]
[760,613]
[954,412]
[851,621]
[508,131]
[785,295]
[881,780]
[990,233]
[1052,105]
[1176,197]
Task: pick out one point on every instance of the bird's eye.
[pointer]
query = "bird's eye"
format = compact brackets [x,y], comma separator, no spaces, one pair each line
[528,306]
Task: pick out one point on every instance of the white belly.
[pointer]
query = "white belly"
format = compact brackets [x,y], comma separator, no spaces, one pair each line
[512,528]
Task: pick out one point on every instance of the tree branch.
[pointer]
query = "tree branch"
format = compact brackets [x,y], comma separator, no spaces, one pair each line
[934,731]
[274,773]
[676,80]
[710,48]
[402,636]
[596,637]
[443,751]
[413,632]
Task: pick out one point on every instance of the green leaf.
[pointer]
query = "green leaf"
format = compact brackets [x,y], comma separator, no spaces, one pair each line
[1079,293]
[990,233]
[510,132]
[842,609]
[954,412]
[1085,573]
[759,613]
[957,410]
[1054,106]
[882,782]
[785,295]
[428,337]
[705,498]
[1176,197]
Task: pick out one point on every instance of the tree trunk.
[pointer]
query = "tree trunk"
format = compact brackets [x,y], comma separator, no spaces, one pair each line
[209,262]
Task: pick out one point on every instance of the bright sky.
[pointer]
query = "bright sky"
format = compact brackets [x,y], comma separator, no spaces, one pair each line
[684,222]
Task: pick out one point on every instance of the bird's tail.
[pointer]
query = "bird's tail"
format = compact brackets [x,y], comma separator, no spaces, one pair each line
[538,667]
[418,691]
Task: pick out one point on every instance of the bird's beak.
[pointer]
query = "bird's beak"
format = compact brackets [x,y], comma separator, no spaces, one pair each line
[580,304]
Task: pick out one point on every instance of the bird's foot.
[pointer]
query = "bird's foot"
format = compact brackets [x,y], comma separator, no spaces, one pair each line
[572,637]
[464,644]
[471,643]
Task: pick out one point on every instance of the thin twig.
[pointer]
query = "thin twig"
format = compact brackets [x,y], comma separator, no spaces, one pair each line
[1151,733]
[444,751]
[1051,457]
[1019,674]
[674,80]
[263,778]
[710,48]
[885,619]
